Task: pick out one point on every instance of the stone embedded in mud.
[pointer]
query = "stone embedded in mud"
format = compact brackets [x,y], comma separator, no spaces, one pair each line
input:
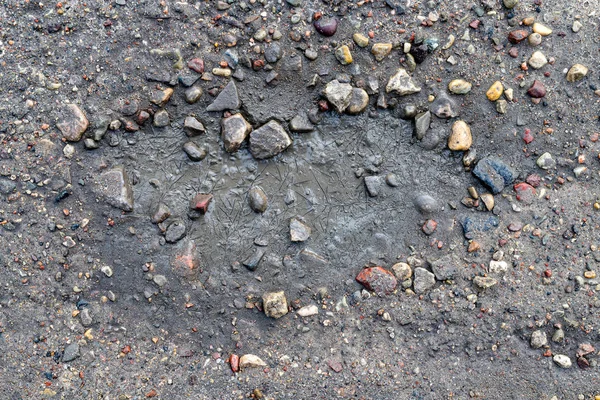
[193,94]
[541,29]
[419,53]
[484,282]
[537,60]
[326,26]
[444,268]
[562,360]
[301,123]
[194,152]
[498,267]
[269,140]
[422,122]
[299,231]
[443,107]
[402,271]
[161,214]
[176,231]
[402,83]
[429,227]
[251,361]
[426,204]
[275,304]
[517,36]
[495,91]
[488,201]
[381,50]
[234,362]
[378,280]
[538,339]
[494,173]
[228,99]
[114,186]
[343,55]
[196,65]
[545,161]
[423,280]
[161,119]
[576,73]
[339,94]
[360,39]
[161,97]
[200,202]
[537,90]
[308,311]
[257,199]
[234,130]
[71,352]
[74,123]
[373,184]
[460,139]
[525,192]
[186,263]
[253,260]
[359,100]
[459,86]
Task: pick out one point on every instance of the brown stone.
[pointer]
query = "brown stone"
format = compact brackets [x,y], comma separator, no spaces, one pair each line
[200,202]
[74,123]
[517,36]
[537,90]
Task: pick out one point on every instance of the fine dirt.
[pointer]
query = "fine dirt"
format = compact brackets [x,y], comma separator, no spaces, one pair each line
[142,336]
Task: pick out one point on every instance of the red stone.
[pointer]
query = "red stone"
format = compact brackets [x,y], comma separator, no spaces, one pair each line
[475,24]
[517,36]
[323,105]
[537,90]
[534,180]
[200,202]
[527,136]
[142,117]
[129,125]
[196,64]
[234,362]
[378,280]
[525,192]
[548,273]
[513,52]
[258,64]
[429,227]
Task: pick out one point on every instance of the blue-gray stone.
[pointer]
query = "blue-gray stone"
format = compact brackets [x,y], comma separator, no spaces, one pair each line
[494,173]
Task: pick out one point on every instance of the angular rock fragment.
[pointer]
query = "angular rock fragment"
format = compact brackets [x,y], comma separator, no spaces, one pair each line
[423,280]
[494,173]
[234,130]
[269,140]
[251,361]
[275,304]
[402,83]
[228,99]
[484,282]
[299,231]
[200,202]
[378,280]
[338,94]
[114,187]
[186,263]
[73,124]
[301,123]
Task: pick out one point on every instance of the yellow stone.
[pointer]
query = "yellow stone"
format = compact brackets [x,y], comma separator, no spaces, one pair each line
[343,55]
[88,334]
[577,72]
[528,21]
[460,139]
[360,39]
[589,274]
[541,29]
[495,91]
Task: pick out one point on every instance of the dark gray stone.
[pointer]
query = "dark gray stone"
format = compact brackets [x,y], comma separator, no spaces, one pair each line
[422,122]
[176,231]
[257,199]
[301,123]
[71,352]
[194,152]
[494,173]
[269,140]
[273,53]
[115,187]
[444,268]
[228,99]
